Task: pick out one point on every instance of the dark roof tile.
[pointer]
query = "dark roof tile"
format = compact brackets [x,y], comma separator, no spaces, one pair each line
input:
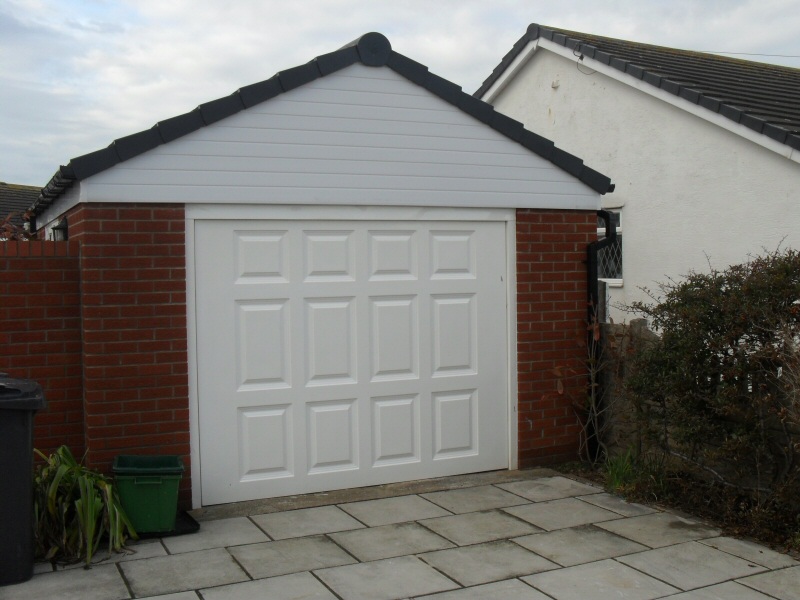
[260,92]
[137,143]
[18,199]
[221,108]
[743,91]
[334,61]
[175,127]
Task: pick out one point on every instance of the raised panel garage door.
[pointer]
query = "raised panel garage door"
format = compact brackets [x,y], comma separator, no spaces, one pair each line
[336,354]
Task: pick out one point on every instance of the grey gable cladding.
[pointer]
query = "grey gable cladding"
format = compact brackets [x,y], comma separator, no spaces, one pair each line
[762,97]
[372,49]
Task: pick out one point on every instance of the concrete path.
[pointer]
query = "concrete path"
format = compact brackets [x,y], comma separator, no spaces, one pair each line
[510,535]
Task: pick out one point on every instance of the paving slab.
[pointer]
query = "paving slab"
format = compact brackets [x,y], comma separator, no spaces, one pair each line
[578,545]
[389,579]
[103,582]
[299,586]
[484,497]
[618,505]
[558,514]
[306,521]
[388,541]
[601,579]
[510,589]
[182,572]
[691,565]
[751,551]
[783,584]
[660,529]
[549,488]
[133,551]
[294,555]
[177,596]
[387,511]
[729,590]
[476,528]
[483,563]
[217,534]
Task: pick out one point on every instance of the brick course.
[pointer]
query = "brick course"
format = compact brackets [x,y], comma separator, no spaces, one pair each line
[551,331]
[40,336]
[133,269]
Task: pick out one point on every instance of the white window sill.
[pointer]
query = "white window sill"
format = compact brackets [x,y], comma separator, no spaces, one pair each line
[613,283]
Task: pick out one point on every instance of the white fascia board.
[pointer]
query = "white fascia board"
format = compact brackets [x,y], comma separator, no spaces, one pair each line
[72,197]
[519,61]
[677,101]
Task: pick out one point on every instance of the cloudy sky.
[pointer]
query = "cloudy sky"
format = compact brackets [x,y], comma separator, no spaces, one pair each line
[75,74]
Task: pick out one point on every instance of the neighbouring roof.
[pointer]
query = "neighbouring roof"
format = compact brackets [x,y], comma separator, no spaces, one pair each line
[16,198]
[372,49]
[763,97]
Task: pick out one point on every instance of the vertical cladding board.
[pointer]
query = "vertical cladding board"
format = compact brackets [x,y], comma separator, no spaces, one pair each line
[133,293]
[551,325]
[40,335]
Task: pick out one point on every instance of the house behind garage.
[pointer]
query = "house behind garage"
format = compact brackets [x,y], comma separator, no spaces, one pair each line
[704,149]
[349,274]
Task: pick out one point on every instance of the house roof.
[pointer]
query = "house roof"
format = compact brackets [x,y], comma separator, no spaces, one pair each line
[760,96]
[16,198]
[372,49]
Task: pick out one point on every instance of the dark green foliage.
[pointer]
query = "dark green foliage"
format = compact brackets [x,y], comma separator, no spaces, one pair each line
[73,509]
[720,391]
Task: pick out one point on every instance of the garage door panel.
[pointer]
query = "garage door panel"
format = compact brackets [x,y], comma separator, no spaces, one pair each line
[394,346]
[264,350]
[331,344]
[454,324]
[332,435]
[329,256]
[453,255]
[393,255]
[265,442]
[396,430]
[342,354]
[261,257]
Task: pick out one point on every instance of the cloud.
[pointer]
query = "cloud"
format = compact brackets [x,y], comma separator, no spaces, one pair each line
[87,71]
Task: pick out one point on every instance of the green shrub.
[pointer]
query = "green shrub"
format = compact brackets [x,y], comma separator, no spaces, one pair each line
[73,509]
[720,387]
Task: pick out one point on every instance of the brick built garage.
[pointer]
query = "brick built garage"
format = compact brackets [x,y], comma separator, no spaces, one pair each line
[348,274]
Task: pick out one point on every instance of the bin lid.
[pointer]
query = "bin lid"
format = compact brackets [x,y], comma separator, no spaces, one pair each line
[20,394]
[132,464]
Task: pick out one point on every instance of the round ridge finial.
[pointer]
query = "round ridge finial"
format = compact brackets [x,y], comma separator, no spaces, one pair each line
[374,49]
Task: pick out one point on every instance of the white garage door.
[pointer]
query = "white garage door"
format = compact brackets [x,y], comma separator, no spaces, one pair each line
[336,354]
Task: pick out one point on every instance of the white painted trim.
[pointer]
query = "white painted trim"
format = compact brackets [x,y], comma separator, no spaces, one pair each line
[506,76]
[511,324]
[346,213]
[614,283]
[681,103]
[191,356]
[198,212]
[71,198]
[717,119]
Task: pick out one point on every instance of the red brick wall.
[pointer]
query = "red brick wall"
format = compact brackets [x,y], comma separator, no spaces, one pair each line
[551,331]
[133,270]
[40,336]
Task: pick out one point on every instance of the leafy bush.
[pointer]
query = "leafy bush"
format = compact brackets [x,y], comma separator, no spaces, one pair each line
[720,388]
[73,508]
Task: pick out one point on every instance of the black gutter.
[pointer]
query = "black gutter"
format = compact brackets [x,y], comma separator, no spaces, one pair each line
[591,262]
[594,339]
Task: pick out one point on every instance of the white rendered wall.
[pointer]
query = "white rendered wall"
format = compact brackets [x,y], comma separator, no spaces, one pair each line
[690,192]
[361,136]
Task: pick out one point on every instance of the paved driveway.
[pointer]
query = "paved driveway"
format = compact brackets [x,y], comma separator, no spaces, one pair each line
[527,535]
